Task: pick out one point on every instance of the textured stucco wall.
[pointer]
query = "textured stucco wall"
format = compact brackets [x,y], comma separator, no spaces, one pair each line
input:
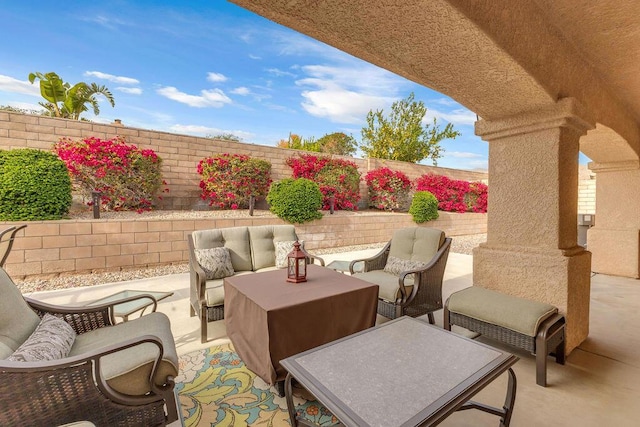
[615,239]
[531,249]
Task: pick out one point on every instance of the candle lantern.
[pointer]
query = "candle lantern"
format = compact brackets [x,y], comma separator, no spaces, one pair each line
[296,265]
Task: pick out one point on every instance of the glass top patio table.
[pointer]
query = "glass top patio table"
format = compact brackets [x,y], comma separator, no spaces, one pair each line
[126,309]
[402,373]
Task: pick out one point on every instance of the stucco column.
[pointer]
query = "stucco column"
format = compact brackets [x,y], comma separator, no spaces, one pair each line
[615,238]
[531,249]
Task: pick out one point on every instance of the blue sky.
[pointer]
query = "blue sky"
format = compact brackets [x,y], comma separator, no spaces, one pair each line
[209,67]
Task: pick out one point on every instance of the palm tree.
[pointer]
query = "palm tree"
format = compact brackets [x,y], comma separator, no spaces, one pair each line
[66,101]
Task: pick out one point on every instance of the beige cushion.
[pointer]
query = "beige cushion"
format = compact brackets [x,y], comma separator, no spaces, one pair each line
[416,243]
[283,249]
[396,266]
[234,238]
[216,262]
[17,319]
[263,240]
[51,340]
[214,292]
[389,289]
[128,371]
[518,314]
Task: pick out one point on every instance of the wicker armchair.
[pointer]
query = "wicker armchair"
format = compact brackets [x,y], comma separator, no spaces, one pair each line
[7,237]
[415,290]
[114,374]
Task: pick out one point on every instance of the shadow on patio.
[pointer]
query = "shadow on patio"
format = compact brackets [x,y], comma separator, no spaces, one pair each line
[599,385]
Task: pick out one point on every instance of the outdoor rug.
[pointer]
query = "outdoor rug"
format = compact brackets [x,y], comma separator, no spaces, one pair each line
[216,388]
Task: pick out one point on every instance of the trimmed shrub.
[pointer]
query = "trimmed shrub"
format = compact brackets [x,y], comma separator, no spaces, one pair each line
[228,180]
[424,207]
[454,195]
[295,200]
[34,186]
[127,177]
[335,177]
[388,189]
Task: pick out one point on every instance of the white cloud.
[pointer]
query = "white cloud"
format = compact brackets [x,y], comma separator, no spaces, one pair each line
[206,130]
[208,98]
[464,155]
[246,37]
[131,90]
[460,160]
[345,94]
[25,106]
[216,77]
[280,73]
[255,57]
[460,116]
[110,77]
[243,91]
[9,84]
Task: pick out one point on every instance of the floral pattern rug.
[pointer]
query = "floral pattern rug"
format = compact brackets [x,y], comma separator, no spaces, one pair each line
[215,388]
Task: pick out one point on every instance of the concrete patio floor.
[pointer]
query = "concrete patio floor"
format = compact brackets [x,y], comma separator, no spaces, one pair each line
[598,386]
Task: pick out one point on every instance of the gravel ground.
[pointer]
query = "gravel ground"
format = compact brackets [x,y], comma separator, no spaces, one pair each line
[460,244]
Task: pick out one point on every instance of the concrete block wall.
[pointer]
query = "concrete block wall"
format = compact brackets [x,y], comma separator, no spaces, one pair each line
[51,248]
[181,153]
[586,191]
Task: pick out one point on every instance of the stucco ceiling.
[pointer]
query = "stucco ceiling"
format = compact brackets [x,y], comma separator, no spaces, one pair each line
[607,36]
[498,58]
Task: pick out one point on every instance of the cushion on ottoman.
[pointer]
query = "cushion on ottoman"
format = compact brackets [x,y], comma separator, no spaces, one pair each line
[514,313]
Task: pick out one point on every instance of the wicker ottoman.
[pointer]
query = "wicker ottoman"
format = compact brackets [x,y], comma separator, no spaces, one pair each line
[530,325]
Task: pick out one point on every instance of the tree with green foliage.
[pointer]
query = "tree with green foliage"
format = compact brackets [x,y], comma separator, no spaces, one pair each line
[11,109]
[297,142]
[337,143]
[225,137]
[66,101]
[402,135]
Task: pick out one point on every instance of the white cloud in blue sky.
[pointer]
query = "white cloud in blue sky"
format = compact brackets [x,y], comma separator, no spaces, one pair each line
[208,67]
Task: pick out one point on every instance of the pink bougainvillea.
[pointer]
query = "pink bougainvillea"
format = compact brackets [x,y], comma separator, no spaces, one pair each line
[388,189]
[336,178]
[229,180]
[454,195]
[127,177]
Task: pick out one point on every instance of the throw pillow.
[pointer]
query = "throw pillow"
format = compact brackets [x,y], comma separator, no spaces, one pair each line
[52,339]
[282,250]
[396,266]
[216,262]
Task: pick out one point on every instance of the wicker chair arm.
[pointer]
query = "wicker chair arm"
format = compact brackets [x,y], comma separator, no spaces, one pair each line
[91,315]
[81,318]
[197,275]
[376,262]
[311,259]
[93,357]
[421,275]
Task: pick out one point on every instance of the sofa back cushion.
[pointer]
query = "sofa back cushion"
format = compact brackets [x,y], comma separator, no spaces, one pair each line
[416,243]
[236,239]
[263,251]
[17,319]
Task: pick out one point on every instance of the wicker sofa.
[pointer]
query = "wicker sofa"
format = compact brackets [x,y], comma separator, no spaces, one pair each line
[106,374]
[409,271]
[252,249]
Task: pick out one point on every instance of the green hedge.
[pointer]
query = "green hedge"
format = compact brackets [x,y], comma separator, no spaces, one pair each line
[295,200]
[34,185]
